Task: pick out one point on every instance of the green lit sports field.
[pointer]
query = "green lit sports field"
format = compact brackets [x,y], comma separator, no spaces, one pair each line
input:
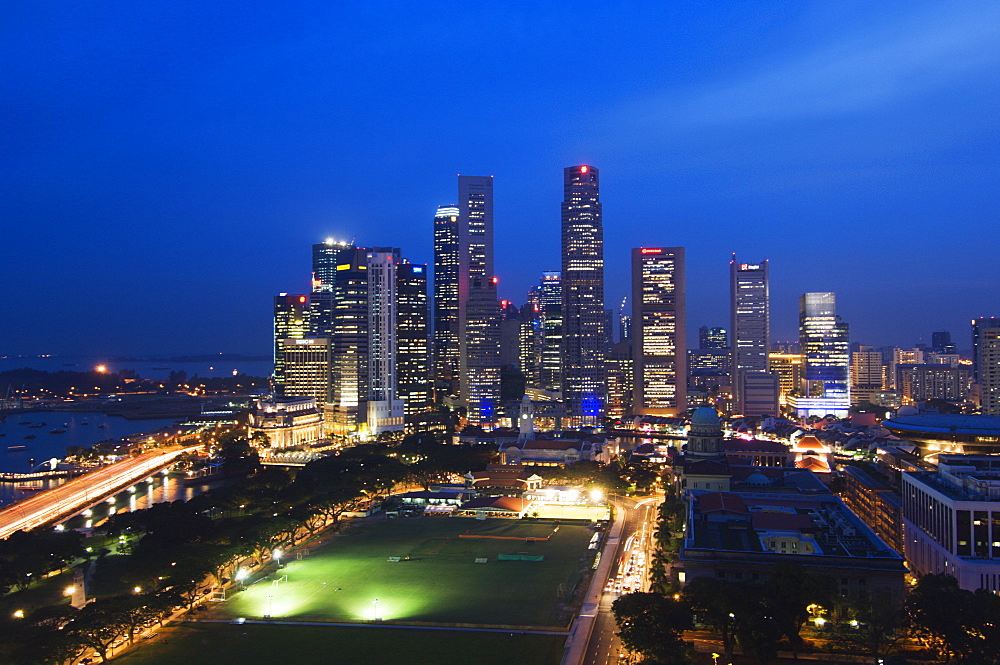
[215,644]
[440,582]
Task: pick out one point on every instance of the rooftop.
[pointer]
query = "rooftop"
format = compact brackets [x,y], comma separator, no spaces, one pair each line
[947,424]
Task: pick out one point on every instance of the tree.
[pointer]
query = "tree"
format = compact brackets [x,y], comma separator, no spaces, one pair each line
[954,622]
[789,592]
[97,626]
[711,600]
[874,628]
[652,624]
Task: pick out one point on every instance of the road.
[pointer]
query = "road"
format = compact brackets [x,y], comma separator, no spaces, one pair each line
[630,572]
[80,493]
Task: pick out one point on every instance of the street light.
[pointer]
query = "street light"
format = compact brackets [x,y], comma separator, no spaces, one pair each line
[276,555]
[375,602]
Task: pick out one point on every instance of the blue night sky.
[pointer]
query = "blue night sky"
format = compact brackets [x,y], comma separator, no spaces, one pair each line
[166,166]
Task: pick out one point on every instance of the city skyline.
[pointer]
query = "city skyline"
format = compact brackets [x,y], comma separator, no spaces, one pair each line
[843,144]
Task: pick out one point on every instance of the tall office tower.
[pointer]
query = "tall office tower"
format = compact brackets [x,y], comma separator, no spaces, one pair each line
[413,371]
[446,272]
[659,348]
[941,342]
[529,342]
[824,340]
[306,371]
[989,370]
[584,330]
[713,338]
[510,336]
[621,383]
[551,324]
[324,274]
[750,323]
[363,364]
[385,409]
[788,367]
[867,374]
[978,326]
[291,321]
[478,309]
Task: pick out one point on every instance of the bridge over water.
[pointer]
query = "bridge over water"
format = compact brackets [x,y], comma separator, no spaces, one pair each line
[80,493]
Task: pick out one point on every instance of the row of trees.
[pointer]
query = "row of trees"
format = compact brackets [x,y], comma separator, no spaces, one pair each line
[27,556]
[173,552]
[958,626]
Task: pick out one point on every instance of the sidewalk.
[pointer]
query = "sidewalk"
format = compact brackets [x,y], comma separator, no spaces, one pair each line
[583,626]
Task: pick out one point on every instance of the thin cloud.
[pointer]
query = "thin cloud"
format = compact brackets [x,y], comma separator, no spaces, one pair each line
[869,69]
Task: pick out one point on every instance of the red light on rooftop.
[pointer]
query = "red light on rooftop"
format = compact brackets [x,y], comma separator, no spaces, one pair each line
[650,250]
[494,280]
[302,298]
[584,169]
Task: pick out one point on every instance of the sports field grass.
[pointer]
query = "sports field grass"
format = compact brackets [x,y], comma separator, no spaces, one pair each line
[212,644]
[440,582]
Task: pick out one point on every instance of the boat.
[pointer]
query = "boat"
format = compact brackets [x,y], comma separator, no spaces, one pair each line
[24,422]
[28,488]
[57,431]
[37,425]
[16,448]
[103,426]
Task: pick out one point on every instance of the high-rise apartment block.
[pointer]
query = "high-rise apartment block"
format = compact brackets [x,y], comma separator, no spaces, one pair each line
[988,369]
[659,342]
[750,323]
[824,342]
[979,326]
[867,375]
[584,329]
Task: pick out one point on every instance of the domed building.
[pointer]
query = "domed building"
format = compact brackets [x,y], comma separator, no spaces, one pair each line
[703,465]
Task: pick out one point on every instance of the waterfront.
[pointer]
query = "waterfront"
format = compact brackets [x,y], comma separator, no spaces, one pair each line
[81,429]
[147,369]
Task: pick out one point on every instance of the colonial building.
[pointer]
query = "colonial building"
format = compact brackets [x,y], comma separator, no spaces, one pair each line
[287,421]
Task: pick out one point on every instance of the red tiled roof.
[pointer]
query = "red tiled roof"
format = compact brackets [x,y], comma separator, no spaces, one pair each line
[810,442]
[813,464]
[716,501]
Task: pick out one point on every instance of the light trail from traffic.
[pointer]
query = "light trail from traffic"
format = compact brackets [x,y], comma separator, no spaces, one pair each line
[80,493]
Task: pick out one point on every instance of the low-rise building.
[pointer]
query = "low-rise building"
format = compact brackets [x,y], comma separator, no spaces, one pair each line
[287,421]
[951,520]
[875,502]
[741,536]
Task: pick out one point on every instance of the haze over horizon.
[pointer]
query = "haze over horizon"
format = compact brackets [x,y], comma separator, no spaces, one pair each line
[168,167]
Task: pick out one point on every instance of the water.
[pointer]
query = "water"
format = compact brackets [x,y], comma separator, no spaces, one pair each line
[157,489]
[145,369]
[82,429]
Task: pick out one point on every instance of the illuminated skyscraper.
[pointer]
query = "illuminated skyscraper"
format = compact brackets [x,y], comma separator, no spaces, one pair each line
[978,327]
[291,321]
[989,370]
[306,368]
[713,338]
[750,322]
[412,343]
[659,340]
[823,337]
[478,309]
[466,326]
[584,327]
[446,277]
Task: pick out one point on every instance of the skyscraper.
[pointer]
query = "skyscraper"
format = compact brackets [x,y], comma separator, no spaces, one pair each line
[584,328]
[466,326]
[659,342]
[291,321]
[446,278]
[384,408]
[750,322]
[823,337]
[713,338]
[978,326]
[412,343]
[867,374]
[989,370]
[550,302]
